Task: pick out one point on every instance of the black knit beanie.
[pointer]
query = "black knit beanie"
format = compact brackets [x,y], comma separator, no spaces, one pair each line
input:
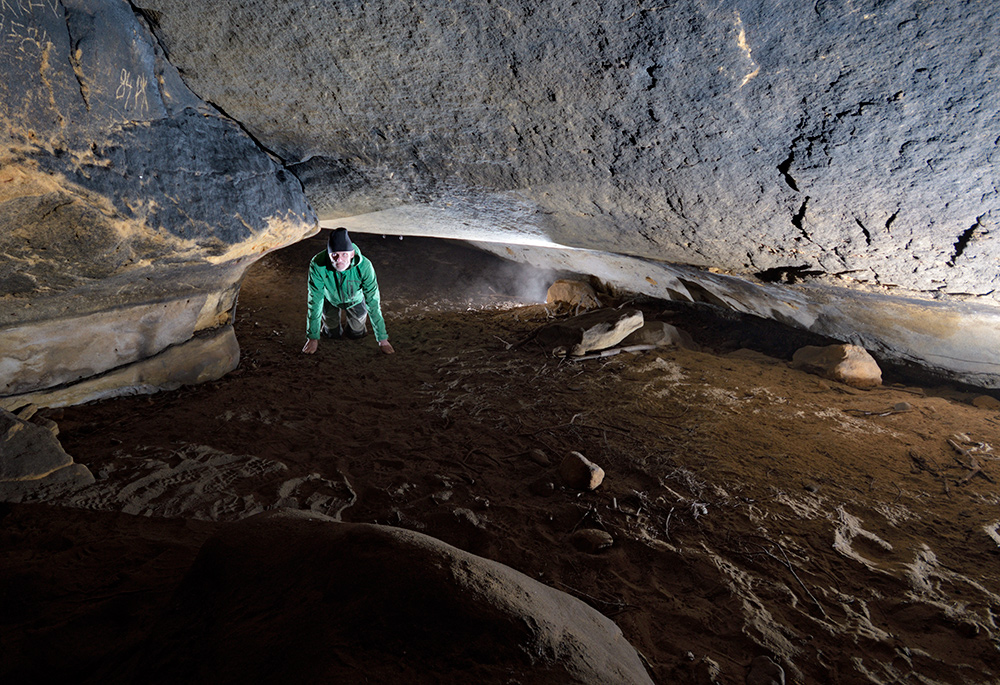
[340,241]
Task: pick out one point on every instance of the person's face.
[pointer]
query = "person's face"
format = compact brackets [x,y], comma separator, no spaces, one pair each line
[341,260]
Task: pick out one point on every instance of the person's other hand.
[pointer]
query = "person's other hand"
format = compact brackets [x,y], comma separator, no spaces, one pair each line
[311,346]
[386,347]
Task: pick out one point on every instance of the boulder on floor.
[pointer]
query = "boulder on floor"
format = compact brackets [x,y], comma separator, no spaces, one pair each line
[295,597]
[848,364]
[573,293]
[596,330]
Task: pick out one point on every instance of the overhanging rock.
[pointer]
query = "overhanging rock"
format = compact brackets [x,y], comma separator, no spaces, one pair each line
[129,207]
[955,339]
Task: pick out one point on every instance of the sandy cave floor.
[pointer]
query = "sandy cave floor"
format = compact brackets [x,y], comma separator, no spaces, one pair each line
[755,509]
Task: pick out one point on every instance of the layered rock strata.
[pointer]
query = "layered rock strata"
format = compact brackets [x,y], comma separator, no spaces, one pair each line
[129,209]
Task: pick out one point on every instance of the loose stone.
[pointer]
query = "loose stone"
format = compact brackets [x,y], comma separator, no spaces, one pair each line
[580,473]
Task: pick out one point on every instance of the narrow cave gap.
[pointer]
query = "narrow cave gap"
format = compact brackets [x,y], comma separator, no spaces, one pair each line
[800,216]
[784,168]
[890,220]
[868,236]
[963,242]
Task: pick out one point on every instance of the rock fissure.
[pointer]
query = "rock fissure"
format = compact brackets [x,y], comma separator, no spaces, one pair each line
[799,217]
[963,241]
[864,230]
[785,166]
[75,62]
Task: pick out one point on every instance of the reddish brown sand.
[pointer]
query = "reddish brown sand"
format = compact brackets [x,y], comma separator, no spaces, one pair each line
[755,509]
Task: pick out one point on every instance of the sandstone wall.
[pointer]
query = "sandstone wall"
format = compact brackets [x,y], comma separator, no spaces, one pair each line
[129,207]
[855,141]
[844,152]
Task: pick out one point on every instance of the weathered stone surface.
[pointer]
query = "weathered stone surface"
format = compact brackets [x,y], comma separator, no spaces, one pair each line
[129,207]
[848,364]
[580,473]
[330,601]
[856,155]
[690,133]
[32,462]
[206,356]
[573,293]
[594,330]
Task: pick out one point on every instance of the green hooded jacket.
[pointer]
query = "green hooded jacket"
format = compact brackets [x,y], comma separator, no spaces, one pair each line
[343,289]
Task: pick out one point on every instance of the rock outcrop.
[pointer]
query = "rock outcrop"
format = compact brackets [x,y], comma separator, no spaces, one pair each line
[852,149]
[129,208]
[295,597]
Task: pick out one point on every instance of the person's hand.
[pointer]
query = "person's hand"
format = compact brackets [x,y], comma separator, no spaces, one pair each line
[311,346]
[386,347]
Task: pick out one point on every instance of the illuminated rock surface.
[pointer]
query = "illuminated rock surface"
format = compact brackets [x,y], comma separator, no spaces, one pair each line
[129,208]
[833,170]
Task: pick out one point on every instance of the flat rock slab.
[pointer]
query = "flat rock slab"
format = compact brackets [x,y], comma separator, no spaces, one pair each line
[661,334]
[291,597]
[597,330]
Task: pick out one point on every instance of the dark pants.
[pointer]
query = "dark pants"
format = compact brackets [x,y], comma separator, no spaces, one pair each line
[356,317]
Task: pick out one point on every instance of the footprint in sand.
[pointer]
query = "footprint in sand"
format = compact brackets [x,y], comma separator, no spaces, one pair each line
[848,532]
[200,482]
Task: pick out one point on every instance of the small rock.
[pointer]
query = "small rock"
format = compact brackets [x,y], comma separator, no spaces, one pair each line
[574,293]
[580,473]
[902,406]
[763,671]
[848,364]
[986,402]
[539,457]
[543,487]
[591,540]
[26,412]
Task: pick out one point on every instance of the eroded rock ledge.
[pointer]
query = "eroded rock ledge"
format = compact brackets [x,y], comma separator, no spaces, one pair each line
[129,209]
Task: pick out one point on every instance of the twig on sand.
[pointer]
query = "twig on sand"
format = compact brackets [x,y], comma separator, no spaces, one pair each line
[486,454]
[899,492]
[590,510]
[578,425]
[973,466]
[888,412]
[788,564]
